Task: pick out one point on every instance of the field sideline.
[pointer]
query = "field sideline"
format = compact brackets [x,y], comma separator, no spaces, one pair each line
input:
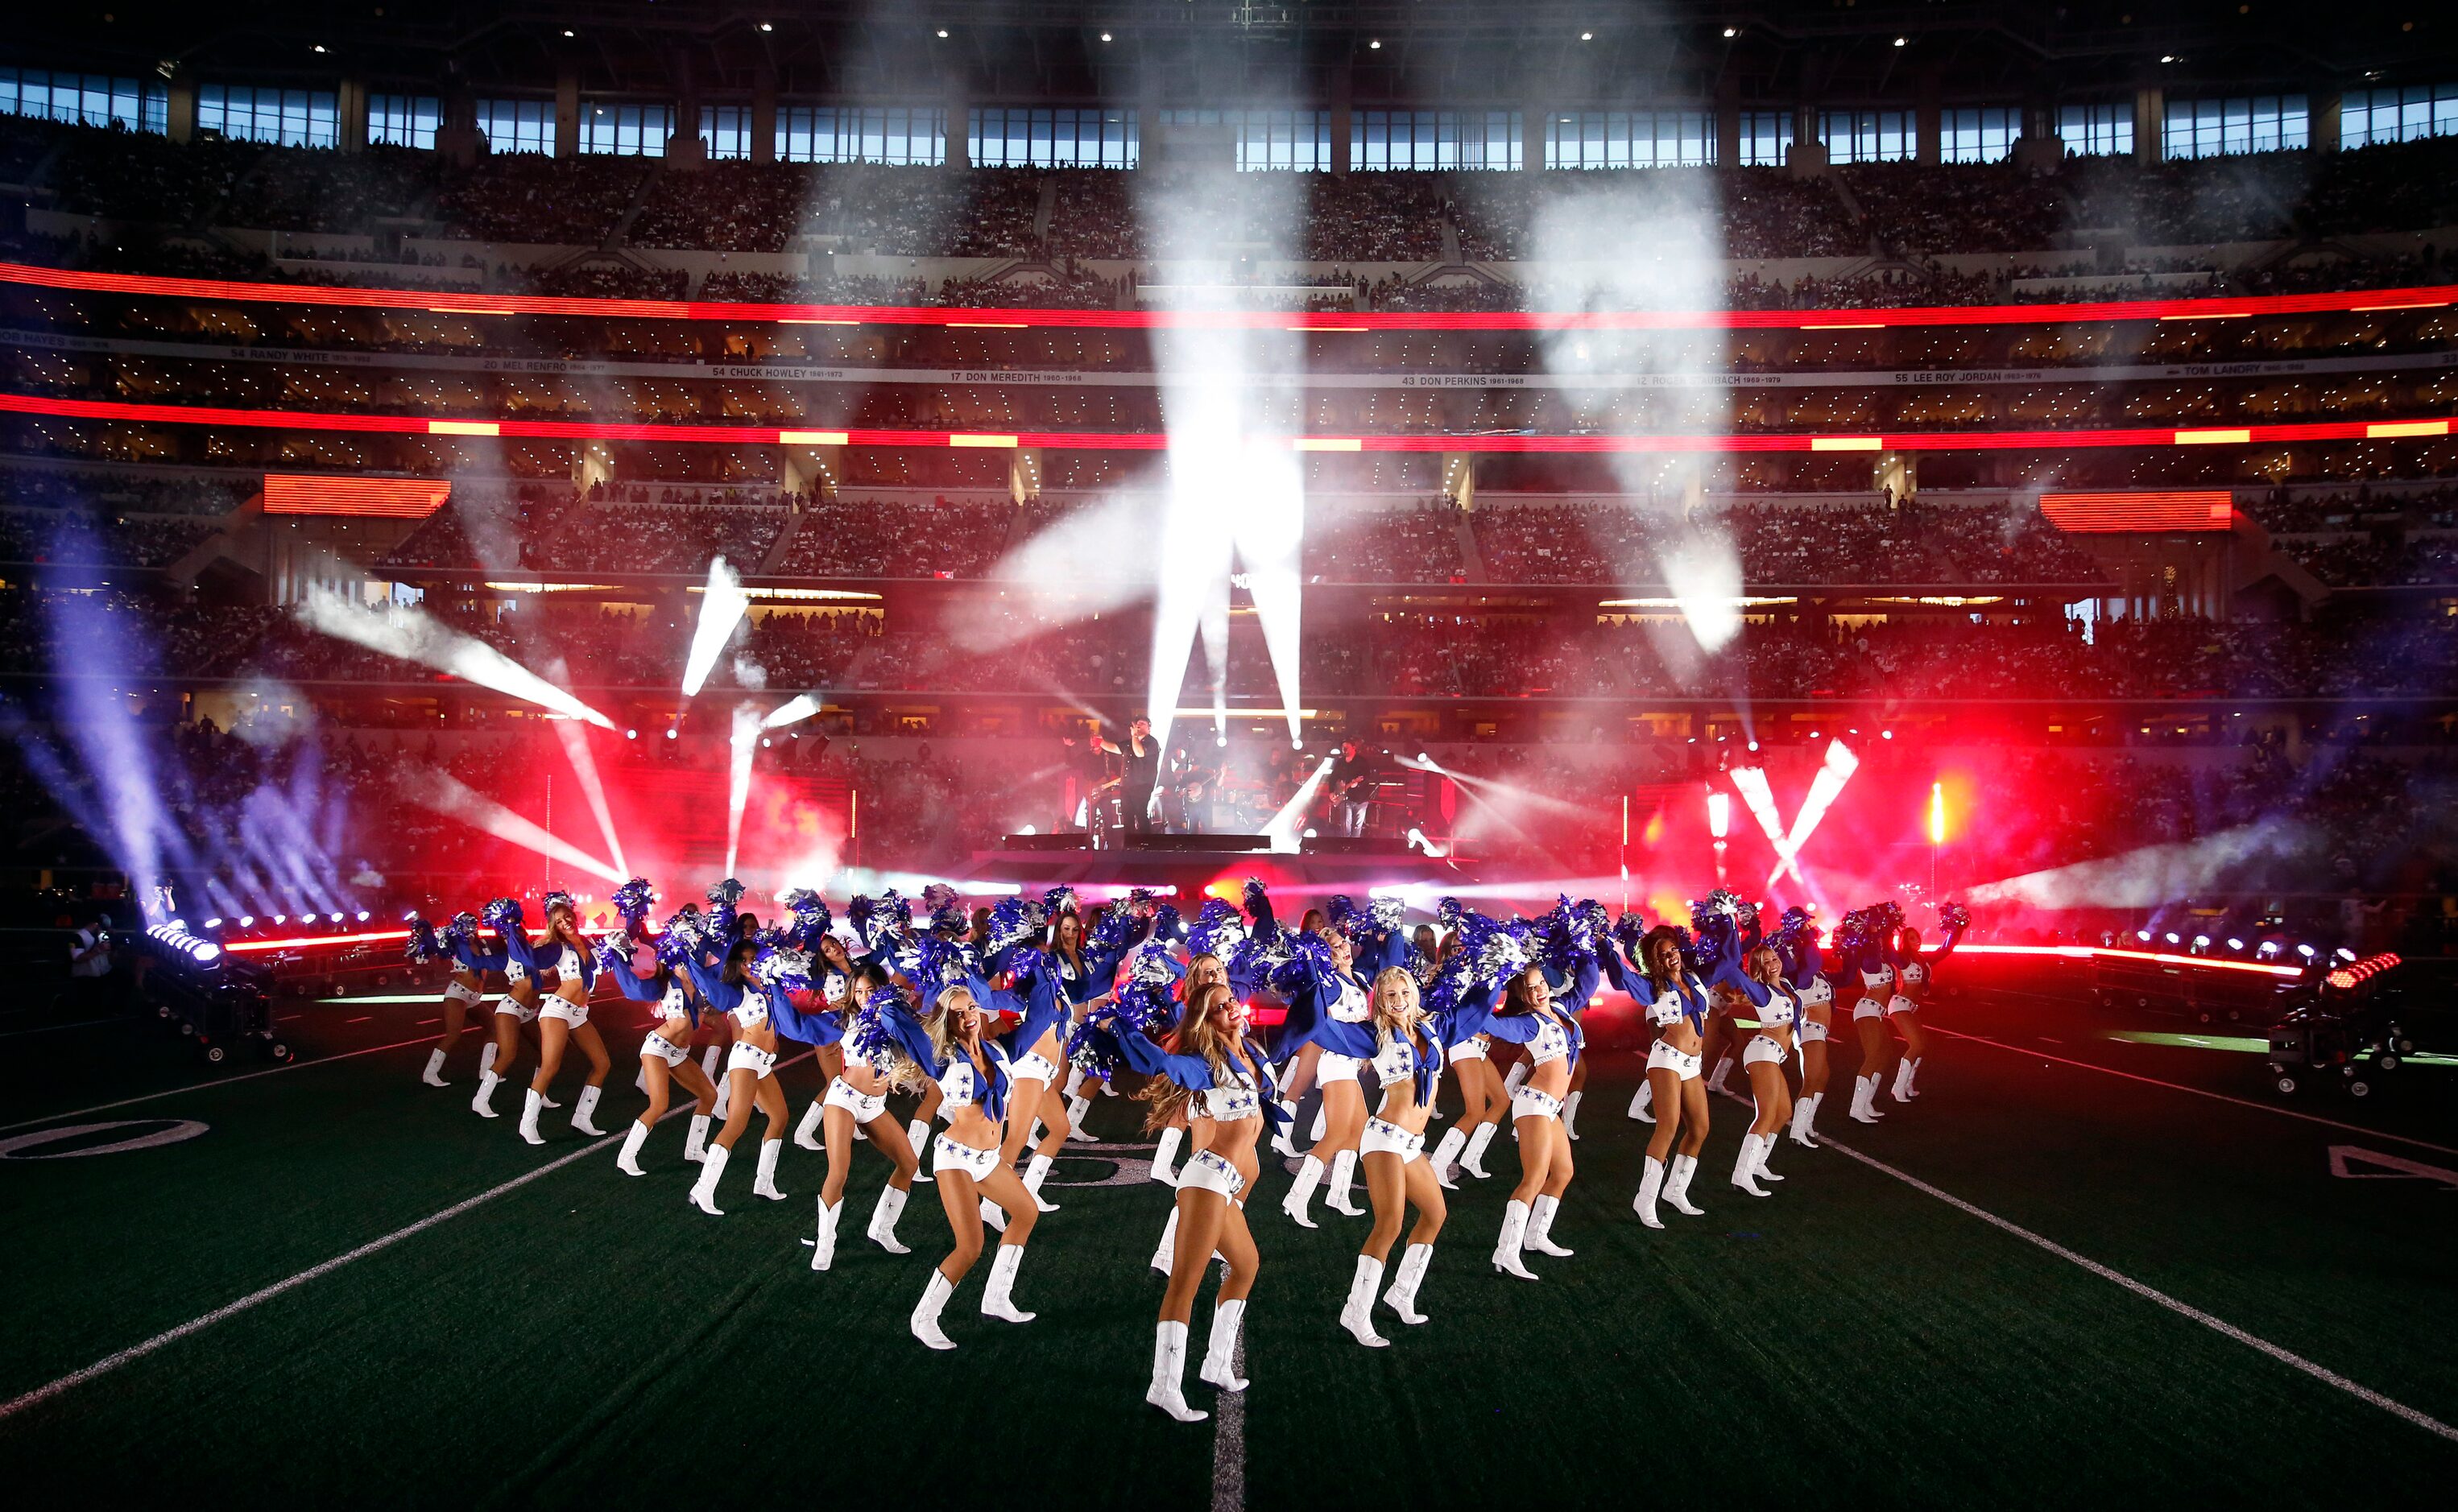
[2041,1283]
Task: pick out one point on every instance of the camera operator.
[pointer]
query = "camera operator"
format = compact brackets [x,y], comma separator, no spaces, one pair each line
[91,981]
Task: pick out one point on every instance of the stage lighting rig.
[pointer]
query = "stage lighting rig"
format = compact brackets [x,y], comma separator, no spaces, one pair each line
[218,999]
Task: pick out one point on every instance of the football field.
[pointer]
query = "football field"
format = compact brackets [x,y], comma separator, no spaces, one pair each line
[2089,1266]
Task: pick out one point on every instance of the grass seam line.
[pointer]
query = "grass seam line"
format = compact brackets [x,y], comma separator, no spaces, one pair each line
[196,1325]
[218,1082]
[2180,1087]
[2181,1309]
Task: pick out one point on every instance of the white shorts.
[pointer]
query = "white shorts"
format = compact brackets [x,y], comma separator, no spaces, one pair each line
[555,1005]
[1209,1170]
[664,1050]
[1033,1067]
[747,1056]
[1471,1049]
[458,991]
[1867,1008]
[1331,1068]
[863,1106]
[1761,1048]
[947,1154]
[514,1007]
[1899,1003]
[1664,1056]
[1812,1031]
[1529,1103]
[1390,1139]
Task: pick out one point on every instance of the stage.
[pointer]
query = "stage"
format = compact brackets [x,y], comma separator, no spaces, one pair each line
[1191,863]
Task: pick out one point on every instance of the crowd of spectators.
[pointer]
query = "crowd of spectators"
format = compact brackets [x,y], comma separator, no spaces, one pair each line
[1627,541]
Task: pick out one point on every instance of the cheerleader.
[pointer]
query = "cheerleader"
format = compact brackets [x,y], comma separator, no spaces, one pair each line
[463,986]
[1911,985]
[665,1055]
[1403,1048]
[1326,988]
[1755,974]
[1202,970]
[516,1006]
[1677,1009]
[1796,942]
[729,987]
[1071,976]
[1220,1080]
[1865,938]
[948,1044]
[856,1099]
[562,1013]
[833,990]
[1532,1016]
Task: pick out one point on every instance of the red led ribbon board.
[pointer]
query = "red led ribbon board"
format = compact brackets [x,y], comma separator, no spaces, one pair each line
[367,498]
[2139,513]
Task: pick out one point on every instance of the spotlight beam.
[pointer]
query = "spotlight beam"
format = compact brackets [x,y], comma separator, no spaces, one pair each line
[1824,788]
[584,766]
[414,636]
[721,609]
[746,741]
[447,796]
[1283,827]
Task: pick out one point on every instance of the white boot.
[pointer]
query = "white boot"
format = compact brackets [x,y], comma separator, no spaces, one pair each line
[1454,1139]
[1475,1151]
[1641,1103]
[1166,1255]
[806,1133]
[1219,1367]
[641,1081]
[1322,1120]
[434,1075]
[1677,1185]
[917,1133]
[483,1104]
[1540,1228]
[1283,1138]
[583,1109]
[1309,1176]
[883,1220]
[1803,1113]
[1165,1156]
[724,1108]
[1905,1072]
[696,1141]
[1650,1186]
[1169,1365]
[1766,1147]
[764,1185]
[1357,1316]
[1402,1295]
[823,1251]
[994,1215]
[1515,1233]
[704,1192]
[629,1162]
[998,1299]
[925,1312]
[1745,1169]
[1036,1172]
[530,1102]
[1864,1099]
[1723,1069]
[1341,1199]
[1077,1108]
[487,1056]
[1570,1114]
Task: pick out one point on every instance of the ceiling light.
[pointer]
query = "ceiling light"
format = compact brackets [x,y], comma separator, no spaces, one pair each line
[2167,57]
[1105,36]
[1587,36]
[1901,41]
[942,31]
[567,31]
[319,47]
[1732,32]
[765,27]
[1376,45]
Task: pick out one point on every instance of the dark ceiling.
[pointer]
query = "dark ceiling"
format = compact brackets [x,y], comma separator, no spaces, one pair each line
[1218,52]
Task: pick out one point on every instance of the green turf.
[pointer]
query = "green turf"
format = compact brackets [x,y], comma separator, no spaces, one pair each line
[588,1340]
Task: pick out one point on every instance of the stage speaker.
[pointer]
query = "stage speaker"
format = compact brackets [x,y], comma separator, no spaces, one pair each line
[1197,844]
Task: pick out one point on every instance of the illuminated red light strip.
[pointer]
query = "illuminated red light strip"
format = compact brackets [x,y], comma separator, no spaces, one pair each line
[433,301]
[1140,441]
[2105,953]
[302,942]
